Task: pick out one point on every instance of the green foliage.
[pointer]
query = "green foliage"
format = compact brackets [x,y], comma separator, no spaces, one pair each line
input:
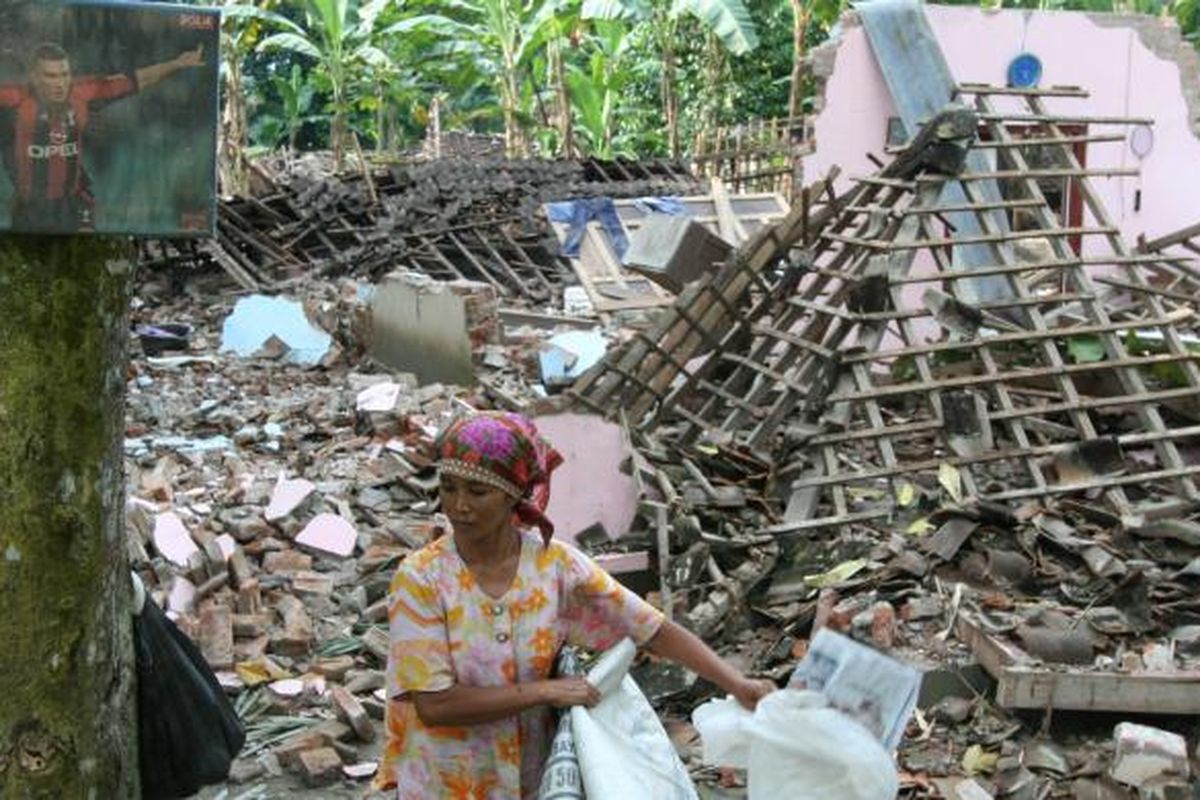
[729,20]
[321,68]
[281,122]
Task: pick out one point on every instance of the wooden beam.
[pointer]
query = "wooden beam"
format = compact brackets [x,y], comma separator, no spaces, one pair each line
[1022,682]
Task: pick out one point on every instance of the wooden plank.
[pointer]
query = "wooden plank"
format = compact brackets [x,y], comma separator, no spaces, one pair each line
[955,241]
[1114,345]
[1049,119]
[1036,174]
[1022,683]
[1178,237]
[728,224]
[1037,91]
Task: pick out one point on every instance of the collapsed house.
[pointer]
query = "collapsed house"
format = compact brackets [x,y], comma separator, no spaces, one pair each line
[948,404]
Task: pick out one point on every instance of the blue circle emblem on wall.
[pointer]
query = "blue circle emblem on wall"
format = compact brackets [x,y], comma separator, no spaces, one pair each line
[1025,71]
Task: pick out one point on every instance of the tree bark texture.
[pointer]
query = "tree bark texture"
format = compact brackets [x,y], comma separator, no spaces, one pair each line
[801,16]
[670,100]
[234,167]
[562,97]
[67,729]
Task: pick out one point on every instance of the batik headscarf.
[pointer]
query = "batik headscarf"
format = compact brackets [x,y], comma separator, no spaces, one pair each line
[503,450]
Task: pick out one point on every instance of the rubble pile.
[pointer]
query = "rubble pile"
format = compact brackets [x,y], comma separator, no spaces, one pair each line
[929,423]
[449,219]
[993,463]
[268,523]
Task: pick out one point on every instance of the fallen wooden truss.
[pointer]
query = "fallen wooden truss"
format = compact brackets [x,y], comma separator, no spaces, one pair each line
[847,350]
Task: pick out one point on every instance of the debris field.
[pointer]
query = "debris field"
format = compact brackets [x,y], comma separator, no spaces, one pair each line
[949,424]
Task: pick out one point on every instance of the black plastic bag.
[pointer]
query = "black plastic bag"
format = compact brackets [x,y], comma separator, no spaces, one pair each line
[188,732]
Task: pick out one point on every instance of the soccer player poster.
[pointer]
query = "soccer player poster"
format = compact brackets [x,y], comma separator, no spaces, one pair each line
[108,118]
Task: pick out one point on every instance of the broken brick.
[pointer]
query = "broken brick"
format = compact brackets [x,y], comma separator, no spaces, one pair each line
[350,711]
[296,637]
[334,668]
[216,636]
[313,583]
[251,649]
[285,561]
[320,767]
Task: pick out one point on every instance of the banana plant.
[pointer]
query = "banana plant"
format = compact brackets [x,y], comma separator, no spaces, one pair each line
[243,26]
[503,35]
[296,96]
[729,21]
[342,37]
[597,87]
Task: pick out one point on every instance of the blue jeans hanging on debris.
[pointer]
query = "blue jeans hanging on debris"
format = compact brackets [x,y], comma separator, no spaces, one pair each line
[579,213]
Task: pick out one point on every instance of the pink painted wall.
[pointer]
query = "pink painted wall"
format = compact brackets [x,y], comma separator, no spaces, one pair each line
[1124,78]
[589,487]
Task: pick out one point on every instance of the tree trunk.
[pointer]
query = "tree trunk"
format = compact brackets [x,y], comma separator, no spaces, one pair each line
[562,97]
[510,96]
[801,15]
[66,666]
[380,120]
[337,131]
[714,64]
[233,130]
[670,97]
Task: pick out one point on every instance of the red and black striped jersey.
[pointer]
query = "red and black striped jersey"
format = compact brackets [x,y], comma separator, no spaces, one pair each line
[43,144]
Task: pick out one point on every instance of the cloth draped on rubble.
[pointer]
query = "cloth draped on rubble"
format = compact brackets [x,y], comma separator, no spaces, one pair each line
[579,213]
[618,749]
[661,205]
[446,630]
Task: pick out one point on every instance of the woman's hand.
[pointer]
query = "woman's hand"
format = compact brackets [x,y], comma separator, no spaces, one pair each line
[749,691]
[567,692]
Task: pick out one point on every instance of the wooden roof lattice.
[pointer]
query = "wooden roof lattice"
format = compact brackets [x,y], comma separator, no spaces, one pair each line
[848,349]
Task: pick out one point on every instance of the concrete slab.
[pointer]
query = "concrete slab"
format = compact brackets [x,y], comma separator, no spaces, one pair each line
[172,540]
[673,251]
[589,487]
[432,328]
[568,355]
[328,533]
[287,497]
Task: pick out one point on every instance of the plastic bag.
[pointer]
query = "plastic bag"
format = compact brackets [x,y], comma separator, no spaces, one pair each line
[724,732]
[623,750]
[188,732]
[797,747]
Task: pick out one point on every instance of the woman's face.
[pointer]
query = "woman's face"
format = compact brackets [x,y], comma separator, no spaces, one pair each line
[476,510]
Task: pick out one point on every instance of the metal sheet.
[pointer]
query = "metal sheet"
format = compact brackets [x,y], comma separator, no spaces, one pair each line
[921,85]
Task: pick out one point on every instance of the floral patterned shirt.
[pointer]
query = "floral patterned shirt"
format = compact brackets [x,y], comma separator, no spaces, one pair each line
[445,630]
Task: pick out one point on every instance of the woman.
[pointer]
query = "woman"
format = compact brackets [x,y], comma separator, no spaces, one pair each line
[477,618]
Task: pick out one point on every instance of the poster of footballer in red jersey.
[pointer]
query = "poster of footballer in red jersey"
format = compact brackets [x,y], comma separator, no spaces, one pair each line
[108,117]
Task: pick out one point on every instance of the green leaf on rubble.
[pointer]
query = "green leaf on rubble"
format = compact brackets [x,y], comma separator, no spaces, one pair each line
[920,527]
[341,646]
[904,369]
[951,480]
[1085,349]
[839,574]
[906,494]
[977,761]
